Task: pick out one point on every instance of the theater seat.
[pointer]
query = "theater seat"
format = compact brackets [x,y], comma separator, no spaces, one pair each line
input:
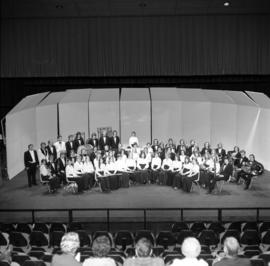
[36,254]
[157,251]
[251,253]
[47,258]
[7,228]
[266,238]
[20,259]
[197,227]
[34,263]
[42,227]
[257,262]
[208,238]
[39,239]
[119,260]
[250,237]
[182,235]
[216,227]
[58,227]
[4,263]
[130,252]
[55,238]
[123,239]
[85,239]
[265,258]
[18,239]
[179,226]
[165,239]
[234,226]
[74,227]
[4,239]
[249,226]
[265,226]
[170,258]
[24,228]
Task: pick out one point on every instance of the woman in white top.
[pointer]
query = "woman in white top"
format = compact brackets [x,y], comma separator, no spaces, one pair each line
[165,168]
[122,170]
[182,156]
[176,168]
[133,139]
[155,166]
[88,172]
[191,176]
[101,174]
[110,171]
[142,176]
[72,176]
[47,175]
[205,168]
[186,169]
[131,167]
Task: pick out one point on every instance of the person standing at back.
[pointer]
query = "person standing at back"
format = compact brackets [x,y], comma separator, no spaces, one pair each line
[31,164]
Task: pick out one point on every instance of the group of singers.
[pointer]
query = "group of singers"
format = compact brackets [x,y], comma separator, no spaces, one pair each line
[105,162]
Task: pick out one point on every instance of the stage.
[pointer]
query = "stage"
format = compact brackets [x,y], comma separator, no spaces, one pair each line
[15,194]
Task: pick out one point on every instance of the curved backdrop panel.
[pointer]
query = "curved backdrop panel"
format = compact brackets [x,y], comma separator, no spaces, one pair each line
[233,118]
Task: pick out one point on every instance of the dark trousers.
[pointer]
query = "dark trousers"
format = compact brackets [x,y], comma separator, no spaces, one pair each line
[79,181]
[88,180]
[187,182]
[246,177]
[213,180]
[31,175]
[104,183]
[177,180]
[54,182]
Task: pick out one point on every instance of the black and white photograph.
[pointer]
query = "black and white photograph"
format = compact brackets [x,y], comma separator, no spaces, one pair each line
[135,133]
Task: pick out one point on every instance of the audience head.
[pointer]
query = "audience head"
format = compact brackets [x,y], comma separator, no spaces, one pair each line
[6,255]
[143,248]
[191,247]
[101,246]
[70,242]
[231,246]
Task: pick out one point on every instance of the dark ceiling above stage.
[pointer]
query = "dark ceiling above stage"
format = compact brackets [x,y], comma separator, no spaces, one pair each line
[88,8]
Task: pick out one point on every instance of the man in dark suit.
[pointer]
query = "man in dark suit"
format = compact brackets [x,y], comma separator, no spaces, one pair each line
[226,171]
[93,141]
[69,145]
[190,149]
[230,258]
[104,141]
[61,168]
[115,140]
[31,164]
[51,150]
[221,153]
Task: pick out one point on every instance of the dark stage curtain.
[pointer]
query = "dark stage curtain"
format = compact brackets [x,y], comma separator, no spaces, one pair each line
[136,46]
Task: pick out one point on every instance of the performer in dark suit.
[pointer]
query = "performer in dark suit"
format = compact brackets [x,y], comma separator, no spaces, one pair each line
[31,163]
[93,141]
[206,149]
[221,153]
[225,173]
[70,145]
[252,168]
[61,168]
[190,149]
[114,141]
[181,147]
[155,146]
[104,141]
[51,150]
[78,141]
[242,163]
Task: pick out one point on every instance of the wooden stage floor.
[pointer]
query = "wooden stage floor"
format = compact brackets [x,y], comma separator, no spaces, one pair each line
[15,194]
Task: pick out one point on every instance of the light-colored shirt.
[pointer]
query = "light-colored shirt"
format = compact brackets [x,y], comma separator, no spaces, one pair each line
[33,156]
[147,261]
[70,171]
[88,167]
[78,168]
[42,156]
[133,140]
[44,170]
[156,161]
[167,162]
[142,161]
[189,262]
[176,165]
[60,147]
[99,262]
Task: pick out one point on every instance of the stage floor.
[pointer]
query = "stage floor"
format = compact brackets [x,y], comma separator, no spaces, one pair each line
[15,194]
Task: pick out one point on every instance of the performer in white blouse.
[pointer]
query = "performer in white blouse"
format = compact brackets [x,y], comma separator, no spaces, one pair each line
[176,176]
[88,172]
[191,176]
[122,170]
[72,176]
[155,167]
[60,146]
[133,139]
[165,168]
[101,176]
[131,167]
[142,176]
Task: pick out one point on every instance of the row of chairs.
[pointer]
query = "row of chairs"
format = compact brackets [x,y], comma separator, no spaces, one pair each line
[122,239]
[175,228]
